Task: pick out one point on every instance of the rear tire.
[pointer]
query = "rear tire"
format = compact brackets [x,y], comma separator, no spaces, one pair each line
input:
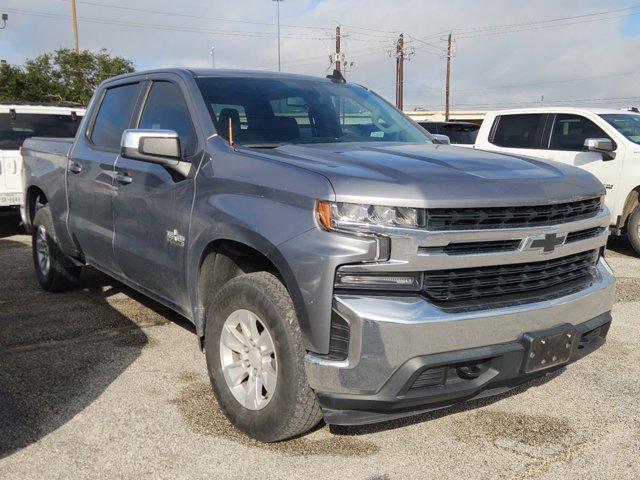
[287,408]
[54,270]
[633,230]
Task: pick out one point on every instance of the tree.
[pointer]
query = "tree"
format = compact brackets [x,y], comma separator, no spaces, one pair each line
[60,76]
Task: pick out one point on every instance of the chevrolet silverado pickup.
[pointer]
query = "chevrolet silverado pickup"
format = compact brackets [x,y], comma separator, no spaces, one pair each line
[335,260]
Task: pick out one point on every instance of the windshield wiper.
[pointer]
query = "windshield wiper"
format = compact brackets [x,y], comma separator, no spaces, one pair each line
[262,145]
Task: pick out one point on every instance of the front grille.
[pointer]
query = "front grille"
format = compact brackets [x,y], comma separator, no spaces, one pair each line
[458,285]
[584,234]
[510,217]
[470,248]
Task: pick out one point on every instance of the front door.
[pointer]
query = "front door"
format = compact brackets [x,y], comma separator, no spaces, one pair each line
[153,204]
[91,177]
[566,142]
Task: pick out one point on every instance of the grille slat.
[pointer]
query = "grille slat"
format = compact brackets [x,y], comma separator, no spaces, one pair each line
[510,217]
[484,282]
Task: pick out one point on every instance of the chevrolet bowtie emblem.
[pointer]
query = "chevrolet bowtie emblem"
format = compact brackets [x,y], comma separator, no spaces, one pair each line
[547,242]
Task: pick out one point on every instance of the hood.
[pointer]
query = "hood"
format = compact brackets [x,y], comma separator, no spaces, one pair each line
[434,176]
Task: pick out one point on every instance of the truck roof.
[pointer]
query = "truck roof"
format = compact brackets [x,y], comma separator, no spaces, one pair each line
[560,109]
[221,72]
[41,109]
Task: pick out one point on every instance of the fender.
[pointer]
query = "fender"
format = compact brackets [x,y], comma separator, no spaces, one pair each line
[243,235]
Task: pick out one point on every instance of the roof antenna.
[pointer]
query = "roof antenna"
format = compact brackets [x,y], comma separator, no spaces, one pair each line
[231,142]
[337,77]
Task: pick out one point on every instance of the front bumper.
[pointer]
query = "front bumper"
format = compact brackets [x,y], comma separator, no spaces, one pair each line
[394,339]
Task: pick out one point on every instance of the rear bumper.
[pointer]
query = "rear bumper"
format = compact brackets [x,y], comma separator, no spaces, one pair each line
[394,339]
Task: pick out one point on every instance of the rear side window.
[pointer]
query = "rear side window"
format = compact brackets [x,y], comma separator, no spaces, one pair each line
[15,129]
[114,116]
[166,109]
[519,131]
[570,131]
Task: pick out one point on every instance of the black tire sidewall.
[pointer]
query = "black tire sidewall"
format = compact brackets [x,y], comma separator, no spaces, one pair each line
[632,230]
[268,423]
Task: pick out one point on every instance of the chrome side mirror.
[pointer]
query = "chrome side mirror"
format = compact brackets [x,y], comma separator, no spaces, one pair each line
[603,146]
[154,146]
[440,139]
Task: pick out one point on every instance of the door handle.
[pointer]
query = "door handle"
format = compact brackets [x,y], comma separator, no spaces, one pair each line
[75,167]
[123,178]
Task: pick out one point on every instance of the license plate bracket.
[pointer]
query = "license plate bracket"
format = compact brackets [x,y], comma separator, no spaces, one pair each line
[549,348]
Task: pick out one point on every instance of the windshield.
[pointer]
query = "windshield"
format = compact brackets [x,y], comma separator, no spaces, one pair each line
[17,128]
[628,124]
[266,113]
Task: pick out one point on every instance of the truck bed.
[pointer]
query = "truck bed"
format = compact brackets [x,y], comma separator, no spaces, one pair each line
[46,159]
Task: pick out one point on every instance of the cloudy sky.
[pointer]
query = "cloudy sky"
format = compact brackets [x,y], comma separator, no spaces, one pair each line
[505,53]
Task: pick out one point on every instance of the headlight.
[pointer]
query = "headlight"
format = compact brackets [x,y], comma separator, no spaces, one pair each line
[359,217]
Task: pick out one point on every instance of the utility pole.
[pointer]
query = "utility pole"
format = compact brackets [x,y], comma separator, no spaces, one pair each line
[338,48]
[278,2]
[212,52]
[74,20]
[399,71]
[447,87]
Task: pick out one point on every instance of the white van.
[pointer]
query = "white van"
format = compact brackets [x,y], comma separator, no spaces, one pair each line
[606,142]
[18,122]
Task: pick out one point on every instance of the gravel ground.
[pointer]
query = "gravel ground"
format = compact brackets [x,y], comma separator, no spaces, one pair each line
[103,383]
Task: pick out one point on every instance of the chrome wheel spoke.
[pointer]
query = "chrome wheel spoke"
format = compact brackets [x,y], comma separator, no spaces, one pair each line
[232,339]
[268,377]
[265,344]
[236,373]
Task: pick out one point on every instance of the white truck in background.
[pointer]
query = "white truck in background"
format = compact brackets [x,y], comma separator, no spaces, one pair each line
[605,142]
[19,122]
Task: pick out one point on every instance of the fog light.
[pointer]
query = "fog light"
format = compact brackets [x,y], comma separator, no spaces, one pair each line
[378,281]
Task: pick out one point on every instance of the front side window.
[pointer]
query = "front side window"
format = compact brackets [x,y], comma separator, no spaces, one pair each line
[519,131]
[628,124]
[267,113]
[570,131]
[16,129]
[114,116]
[166,109]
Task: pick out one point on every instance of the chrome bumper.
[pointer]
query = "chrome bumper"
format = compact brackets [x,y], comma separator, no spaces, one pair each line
[388,331]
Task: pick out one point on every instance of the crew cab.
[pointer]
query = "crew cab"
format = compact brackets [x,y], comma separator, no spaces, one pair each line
[603,141]
[20,121]
[335,266]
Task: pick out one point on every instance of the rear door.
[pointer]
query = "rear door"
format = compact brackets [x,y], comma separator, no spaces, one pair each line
[91,172]
[153,204]
[520,134]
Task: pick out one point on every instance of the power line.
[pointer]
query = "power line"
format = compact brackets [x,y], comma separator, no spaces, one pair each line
[538,102]
[479,29]
[175,28]
[529,84]
[197,17]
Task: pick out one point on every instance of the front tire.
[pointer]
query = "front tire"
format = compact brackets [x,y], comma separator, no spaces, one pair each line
[254,352]
[53,269]
[633,229]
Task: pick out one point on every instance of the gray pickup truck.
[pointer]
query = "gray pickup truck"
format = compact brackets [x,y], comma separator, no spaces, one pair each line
[335,260]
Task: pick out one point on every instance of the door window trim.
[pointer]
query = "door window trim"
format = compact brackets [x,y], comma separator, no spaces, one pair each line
[96,111]
[141,104]
[549,133]
[539,134]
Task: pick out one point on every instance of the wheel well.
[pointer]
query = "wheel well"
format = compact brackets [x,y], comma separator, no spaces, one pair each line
[630,204]
[35,196]
[224,260]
